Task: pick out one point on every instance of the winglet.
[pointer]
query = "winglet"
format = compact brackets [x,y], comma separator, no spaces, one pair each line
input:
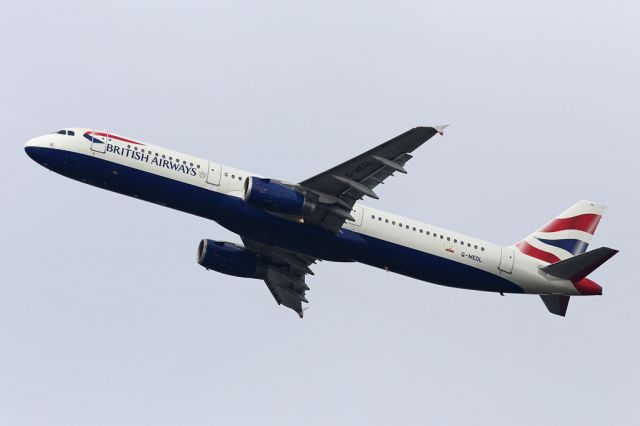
[440,129]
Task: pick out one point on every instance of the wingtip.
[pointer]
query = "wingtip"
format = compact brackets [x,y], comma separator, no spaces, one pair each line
[440,129]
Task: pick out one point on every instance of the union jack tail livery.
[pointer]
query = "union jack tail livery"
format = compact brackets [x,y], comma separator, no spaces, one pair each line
[562,243]
[567,235]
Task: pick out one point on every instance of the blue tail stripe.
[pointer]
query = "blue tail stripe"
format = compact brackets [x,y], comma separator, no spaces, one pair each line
[571,245]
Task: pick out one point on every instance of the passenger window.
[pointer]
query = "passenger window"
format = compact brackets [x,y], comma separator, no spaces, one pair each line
[481,248]
[373,216]
[386,221]
[427,232]
[414,228]
[442,237]
[468,244]
[407,226]
[475,247]
[393,223]
[421,231]
[448,238]
[379,219]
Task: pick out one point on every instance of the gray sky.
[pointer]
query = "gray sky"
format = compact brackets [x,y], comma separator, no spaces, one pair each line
[105,317]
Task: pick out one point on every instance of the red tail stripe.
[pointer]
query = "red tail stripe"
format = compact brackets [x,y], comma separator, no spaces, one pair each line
[587,222]
[530,250]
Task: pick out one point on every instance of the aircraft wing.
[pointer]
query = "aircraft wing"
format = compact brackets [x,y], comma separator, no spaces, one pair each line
[285,277]
[341,186]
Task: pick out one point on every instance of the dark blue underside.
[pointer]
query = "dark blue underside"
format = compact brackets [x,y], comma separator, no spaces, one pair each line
[239,217]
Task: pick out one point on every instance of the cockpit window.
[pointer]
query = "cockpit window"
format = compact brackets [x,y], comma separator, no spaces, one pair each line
[62,132]
[66,132]
[71,133]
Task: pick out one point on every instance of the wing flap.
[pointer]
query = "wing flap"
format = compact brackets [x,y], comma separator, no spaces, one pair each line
[285,274]
[341,186]
[285,293]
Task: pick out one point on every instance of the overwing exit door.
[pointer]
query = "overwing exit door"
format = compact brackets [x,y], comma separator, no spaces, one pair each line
[213,173]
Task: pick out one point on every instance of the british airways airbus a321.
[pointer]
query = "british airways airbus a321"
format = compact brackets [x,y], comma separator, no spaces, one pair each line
[286,227]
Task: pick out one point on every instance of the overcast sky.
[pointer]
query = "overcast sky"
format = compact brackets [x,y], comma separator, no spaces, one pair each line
[105,317]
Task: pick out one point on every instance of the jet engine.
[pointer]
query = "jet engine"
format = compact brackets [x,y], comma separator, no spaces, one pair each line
[230,259]
[278,197]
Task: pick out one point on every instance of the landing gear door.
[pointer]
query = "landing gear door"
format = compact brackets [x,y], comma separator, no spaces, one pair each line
[506,260]
[356,213]
[213,173]
[98,142]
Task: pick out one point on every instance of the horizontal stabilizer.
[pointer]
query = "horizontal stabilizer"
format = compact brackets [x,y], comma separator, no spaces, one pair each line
[556,304]
[577,267]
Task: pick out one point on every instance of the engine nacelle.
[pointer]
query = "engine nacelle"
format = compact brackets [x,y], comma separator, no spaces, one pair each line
[277,197]
[230,259]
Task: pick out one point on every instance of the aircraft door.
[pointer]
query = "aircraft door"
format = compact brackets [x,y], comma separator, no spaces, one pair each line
[213,173]
[98,143]
[506,260]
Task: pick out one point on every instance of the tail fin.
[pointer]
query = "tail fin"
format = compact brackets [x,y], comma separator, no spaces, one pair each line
[567,235]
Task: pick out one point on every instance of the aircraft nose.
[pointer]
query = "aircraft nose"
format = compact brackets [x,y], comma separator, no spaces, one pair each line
[31,147]
[35,142]
[34,147]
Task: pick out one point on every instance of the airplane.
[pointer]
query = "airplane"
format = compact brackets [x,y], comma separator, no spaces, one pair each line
[286,227]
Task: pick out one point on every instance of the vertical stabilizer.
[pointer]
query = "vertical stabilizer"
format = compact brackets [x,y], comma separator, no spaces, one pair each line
[567,235]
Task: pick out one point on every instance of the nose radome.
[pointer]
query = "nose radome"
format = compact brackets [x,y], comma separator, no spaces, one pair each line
[30,143]
[30,148]
[35,147]
[38,142]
